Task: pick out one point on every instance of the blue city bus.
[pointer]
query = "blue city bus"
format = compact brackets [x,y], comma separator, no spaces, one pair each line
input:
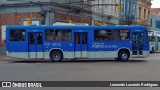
[77,42]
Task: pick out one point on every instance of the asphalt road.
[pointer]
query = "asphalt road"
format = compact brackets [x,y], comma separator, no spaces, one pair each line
[143,69]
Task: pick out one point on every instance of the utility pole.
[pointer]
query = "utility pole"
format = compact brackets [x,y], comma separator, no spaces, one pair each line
[31,7]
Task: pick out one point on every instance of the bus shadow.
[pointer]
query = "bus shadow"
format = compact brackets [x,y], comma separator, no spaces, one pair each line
[79,61]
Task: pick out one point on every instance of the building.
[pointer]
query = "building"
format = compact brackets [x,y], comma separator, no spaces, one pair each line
[128,13]
[155,19]
[42,12]
[105,12]
[47,12]
[155,11]
[143,12]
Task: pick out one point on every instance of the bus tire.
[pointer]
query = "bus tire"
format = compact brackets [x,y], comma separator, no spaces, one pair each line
[123,56]
[56,55]
[116,59]
[152,50]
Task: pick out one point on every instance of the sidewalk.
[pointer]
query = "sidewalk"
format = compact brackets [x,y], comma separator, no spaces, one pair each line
[2,51]
[5,58]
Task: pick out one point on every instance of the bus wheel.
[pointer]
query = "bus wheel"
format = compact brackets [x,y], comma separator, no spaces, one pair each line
[56,56]
[116,59]
[152,49]
[123,56]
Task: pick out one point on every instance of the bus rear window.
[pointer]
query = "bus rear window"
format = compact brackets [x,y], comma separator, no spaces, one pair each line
[17,35]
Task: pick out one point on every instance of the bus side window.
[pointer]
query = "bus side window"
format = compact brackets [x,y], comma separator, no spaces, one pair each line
[12,37]
[77,38]
[84,38]
[49,35]
[58,35]
[58,38]
[39,38]
[66,35]
[63,35]
[32,40]
[17,35]
[103,35]
[116,35]
[121,34]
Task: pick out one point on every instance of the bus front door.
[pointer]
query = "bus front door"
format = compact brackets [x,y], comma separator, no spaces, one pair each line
[80,44]
[35,45]
[137,44]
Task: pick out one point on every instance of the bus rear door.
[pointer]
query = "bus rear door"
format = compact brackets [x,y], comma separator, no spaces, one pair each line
[81,44]
[137,44]
[35,45]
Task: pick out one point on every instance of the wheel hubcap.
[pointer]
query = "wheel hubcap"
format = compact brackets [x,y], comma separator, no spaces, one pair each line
[56,56]
[124,56]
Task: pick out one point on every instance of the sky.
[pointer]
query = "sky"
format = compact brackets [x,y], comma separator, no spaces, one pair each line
[156,4]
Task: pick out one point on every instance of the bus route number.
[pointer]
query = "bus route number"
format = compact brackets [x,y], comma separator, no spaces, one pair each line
[56,44]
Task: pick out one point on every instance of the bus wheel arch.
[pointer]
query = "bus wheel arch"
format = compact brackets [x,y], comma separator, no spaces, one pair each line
[123,54]
[56,55]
